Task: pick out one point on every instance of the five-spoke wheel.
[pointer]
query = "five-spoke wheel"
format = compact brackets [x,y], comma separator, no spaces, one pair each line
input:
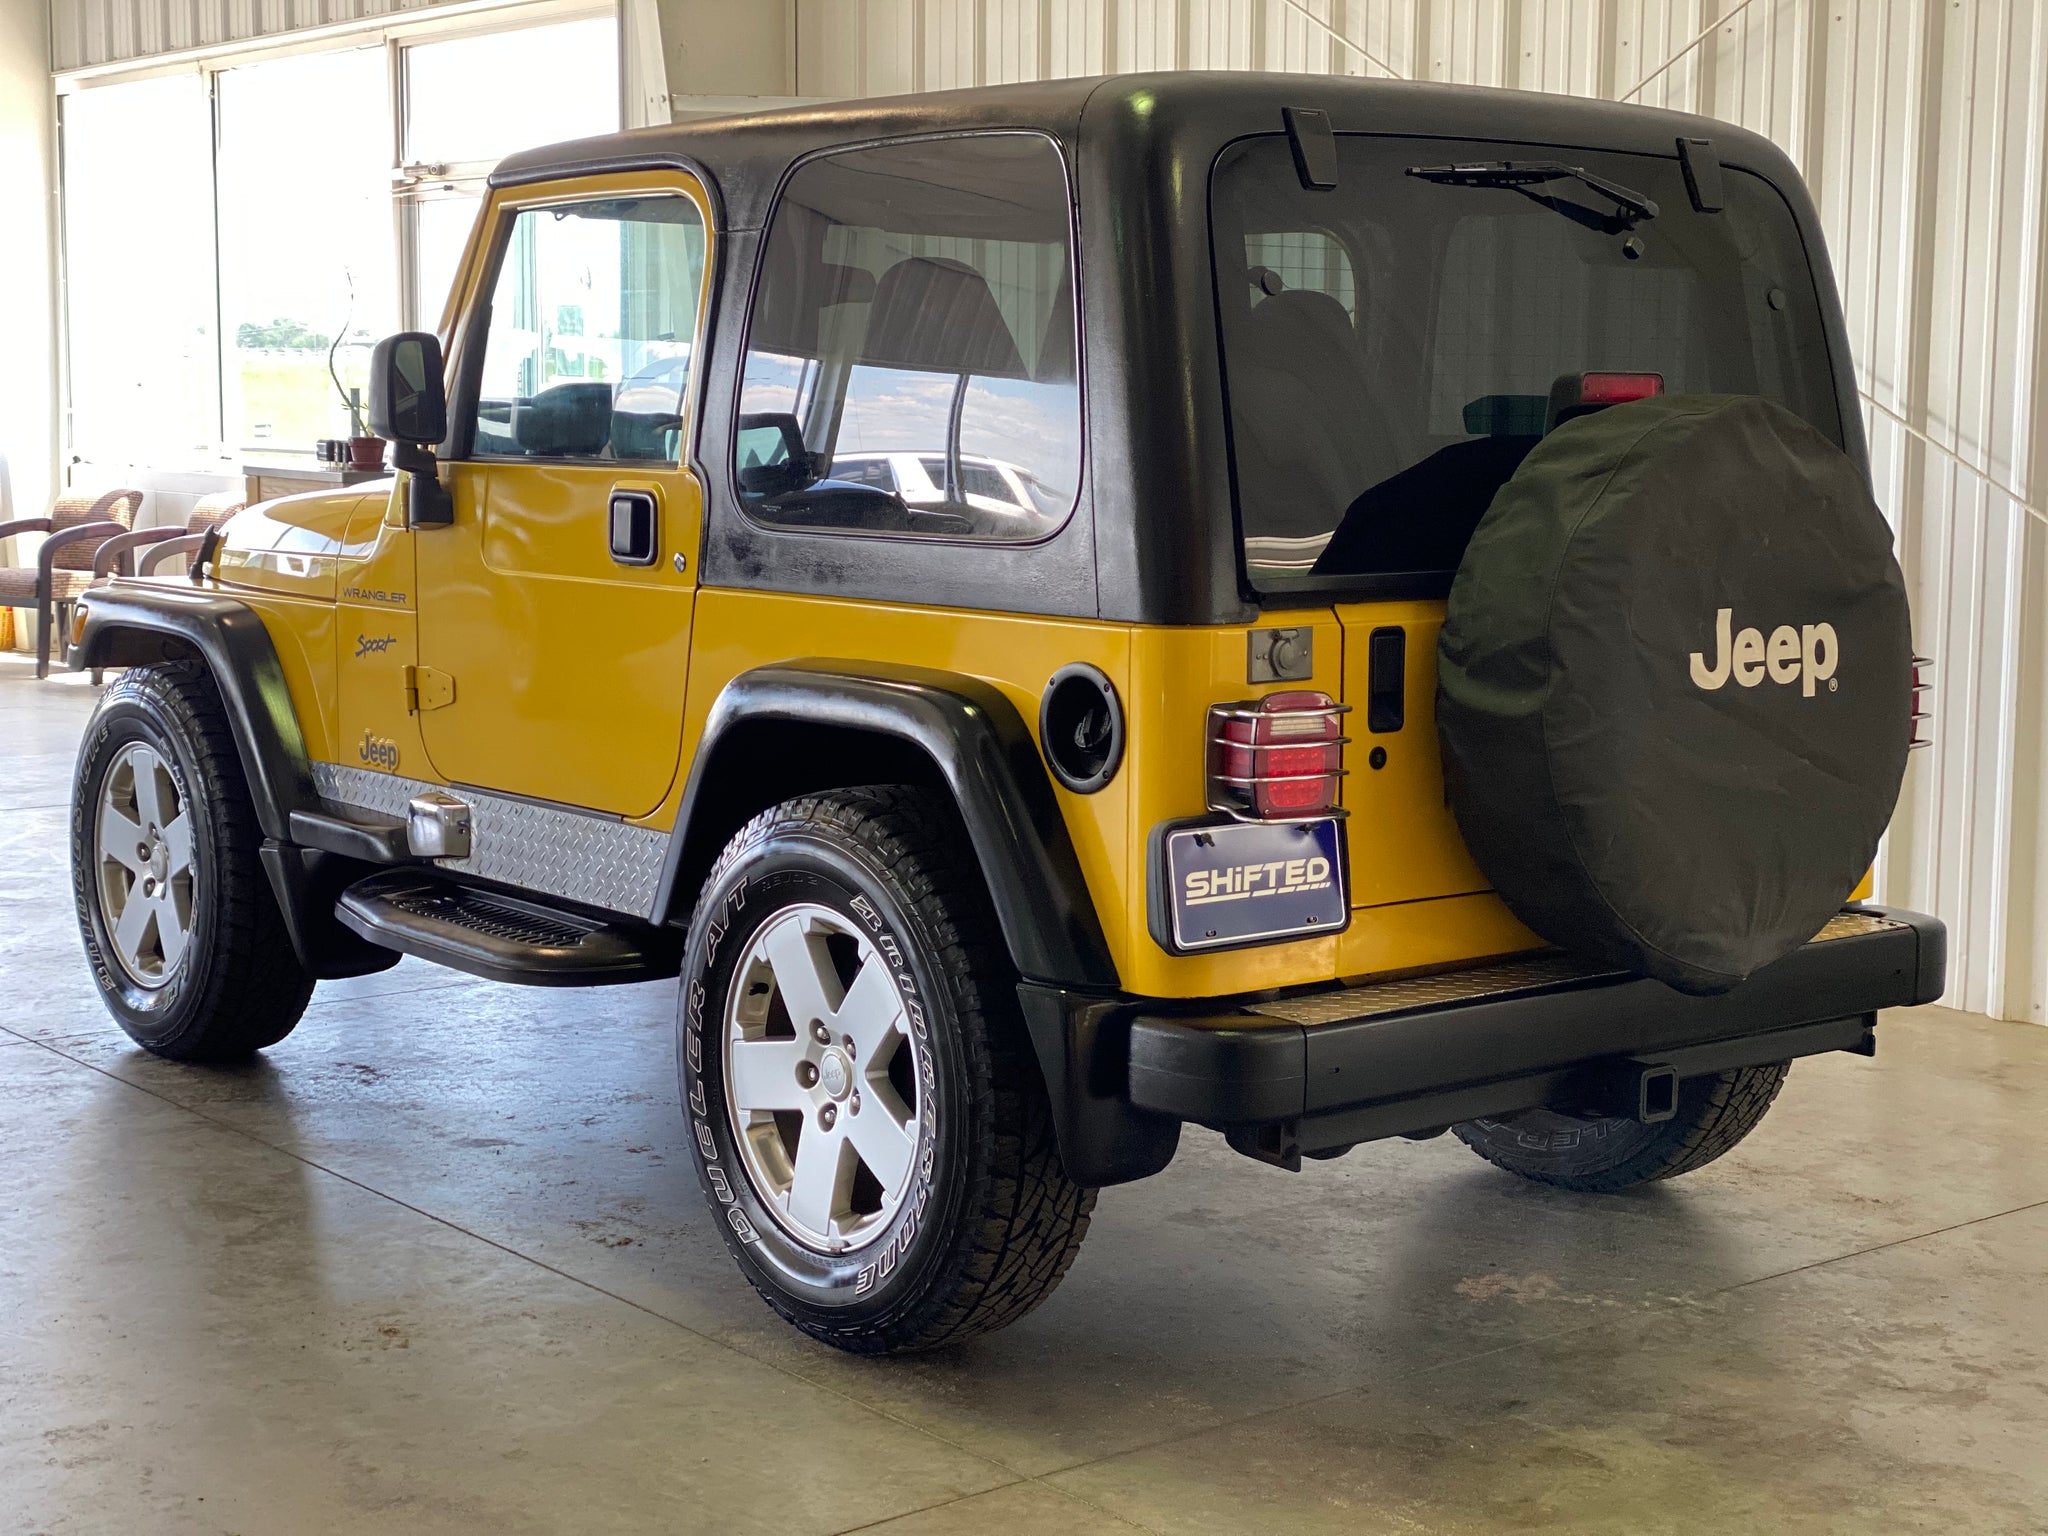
[822,1082]
[143,863]
[866,1114]
[188,945]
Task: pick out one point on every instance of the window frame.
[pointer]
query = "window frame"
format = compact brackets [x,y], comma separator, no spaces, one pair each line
[479,275]
[729,469]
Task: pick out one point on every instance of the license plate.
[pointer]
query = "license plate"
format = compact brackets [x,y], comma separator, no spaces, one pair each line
[1239,882]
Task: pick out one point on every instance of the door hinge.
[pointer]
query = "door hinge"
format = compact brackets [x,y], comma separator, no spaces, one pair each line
[427,689]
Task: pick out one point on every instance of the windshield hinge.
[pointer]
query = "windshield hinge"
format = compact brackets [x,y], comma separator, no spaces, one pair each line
[427,689]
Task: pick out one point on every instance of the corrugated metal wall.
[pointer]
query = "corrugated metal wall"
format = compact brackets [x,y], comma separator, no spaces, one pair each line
[84,33]
[1922,126]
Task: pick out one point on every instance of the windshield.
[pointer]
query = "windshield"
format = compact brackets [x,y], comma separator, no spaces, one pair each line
[1393,348]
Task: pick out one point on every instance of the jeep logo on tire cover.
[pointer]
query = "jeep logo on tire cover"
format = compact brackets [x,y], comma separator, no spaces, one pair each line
[1806,655]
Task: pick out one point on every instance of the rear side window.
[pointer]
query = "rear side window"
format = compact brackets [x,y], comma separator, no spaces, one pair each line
[915,302]
[1395,346]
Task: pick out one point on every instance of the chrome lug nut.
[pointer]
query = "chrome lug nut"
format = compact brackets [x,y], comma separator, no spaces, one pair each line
[821,1034]
[846,1045]
[853,1104]
[806,1074]
[826,1116]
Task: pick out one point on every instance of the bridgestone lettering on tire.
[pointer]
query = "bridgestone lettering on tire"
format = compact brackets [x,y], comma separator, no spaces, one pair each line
[865,1113]
[179,921]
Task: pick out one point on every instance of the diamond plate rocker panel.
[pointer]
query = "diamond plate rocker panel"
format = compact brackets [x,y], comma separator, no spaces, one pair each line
[576,855]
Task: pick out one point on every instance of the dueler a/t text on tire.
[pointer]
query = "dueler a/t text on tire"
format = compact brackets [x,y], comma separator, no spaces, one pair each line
[864,1110]
[186,942]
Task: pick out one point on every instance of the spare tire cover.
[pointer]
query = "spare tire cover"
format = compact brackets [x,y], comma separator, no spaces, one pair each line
[1673,685]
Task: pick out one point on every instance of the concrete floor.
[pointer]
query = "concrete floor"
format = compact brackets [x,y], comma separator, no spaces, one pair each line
[438,1264]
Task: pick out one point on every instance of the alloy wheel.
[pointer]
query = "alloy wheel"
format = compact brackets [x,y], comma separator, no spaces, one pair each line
[143,857]
[824,1083]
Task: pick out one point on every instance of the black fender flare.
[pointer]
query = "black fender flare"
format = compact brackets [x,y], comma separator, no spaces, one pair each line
[138,626]
[979,748]
[127,627]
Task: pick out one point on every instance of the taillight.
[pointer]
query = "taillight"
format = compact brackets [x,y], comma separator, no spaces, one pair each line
[1277,758]
[1923,684]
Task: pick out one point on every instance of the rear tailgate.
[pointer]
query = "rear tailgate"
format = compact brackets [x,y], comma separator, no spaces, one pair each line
[1404,843]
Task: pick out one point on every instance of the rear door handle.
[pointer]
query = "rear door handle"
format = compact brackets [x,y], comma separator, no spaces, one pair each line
[1386,673]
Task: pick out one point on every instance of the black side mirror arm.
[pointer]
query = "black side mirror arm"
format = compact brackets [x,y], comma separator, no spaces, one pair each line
[427,502]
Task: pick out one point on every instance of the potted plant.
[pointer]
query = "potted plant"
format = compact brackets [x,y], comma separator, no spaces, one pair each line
[365,449]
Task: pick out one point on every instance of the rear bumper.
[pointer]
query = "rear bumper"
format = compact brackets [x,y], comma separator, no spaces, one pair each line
[1405,1069]
[1342,1065]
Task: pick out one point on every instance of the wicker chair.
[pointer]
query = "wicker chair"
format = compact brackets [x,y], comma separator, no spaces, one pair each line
[161,544]
[75,528]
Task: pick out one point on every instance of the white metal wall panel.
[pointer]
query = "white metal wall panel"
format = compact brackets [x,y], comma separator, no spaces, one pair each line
[1922,129]
[85,33]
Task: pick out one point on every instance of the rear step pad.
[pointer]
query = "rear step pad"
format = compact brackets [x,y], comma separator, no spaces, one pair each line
[504,938]
[1524,973]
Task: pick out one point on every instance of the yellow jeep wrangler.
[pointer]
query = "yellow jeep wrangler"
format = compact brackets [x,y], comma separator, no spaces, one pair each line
[1327,609]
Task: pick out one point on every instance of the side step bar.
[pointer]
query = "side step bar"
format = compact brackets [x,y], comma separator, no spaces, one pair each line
[502,937]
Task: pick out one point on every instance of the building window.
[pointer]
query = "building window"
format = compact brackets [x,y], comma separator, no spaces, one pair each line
[305,241]
[138,272]
[224,228]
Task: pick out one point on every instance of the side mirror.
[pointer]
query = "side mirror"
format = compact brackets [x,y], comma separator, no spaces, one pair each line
[409,407]
[770,454]
[408,400]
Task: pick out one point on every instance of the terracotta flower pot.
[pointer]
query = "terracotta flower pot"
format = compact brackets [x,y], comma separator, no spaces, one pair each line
[366,452]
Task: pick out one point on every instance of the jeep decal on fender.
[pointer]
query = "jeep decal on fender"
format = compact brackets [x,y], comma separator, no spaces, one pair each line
[1806,655]
[378,752]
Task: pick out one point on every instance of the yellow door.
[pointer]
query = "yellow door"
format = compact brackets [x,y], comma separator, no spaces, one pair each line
[554,612]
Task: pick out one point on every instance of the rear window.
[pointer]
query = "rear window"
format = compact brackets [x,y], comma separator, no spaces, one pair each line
[1395,346]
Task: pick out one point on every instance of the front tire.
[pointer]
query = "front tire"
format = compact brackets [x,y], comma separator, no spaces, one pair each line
[179,921]
[865,1113]
[1602,1154]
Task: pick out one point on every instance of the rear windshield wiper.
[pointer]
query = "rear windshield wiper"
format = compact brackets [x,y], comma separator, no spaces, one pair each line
[1630,206]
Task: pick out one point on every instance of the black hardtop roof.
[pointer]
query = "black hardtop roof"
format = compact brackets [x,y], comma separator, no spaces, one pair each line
[746,155]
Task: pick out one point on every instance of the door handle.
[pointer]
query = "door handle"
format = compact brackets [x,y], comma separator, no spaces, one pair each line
[1386,670]
[634,527]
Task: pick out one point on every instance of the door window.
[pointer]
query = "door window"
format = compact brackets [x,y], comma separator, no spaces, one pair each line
[592,322]
[916,305]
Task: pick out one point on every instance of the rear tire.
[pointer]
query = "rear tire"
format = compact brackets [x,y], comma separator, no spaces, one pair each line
[866,1115]
[163,835]
[1602,1154]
